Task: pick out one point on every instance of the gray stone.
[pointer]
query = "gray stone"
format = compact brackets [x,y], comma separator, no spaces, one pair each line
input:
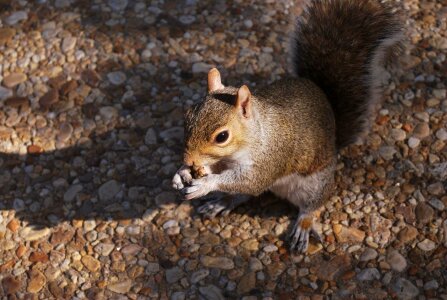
[16,17]
[404,289]
[369,274]
[18,204]
[211,292]
[108,190]
[436,189]
[437,204]
[133,230]
[387,152]
[89,225]
[440,134]
[178,296]
[440,93]
[396,261]
[34,207]
[174,274]
[427,245]
[398,134]
[387,278]
[439,170]
[104,249]
[248,23]
[270,248]
[151,137]
[255,264]
[170,223]
[368,254]
[117,78]
[431,285]
[146,55]
[152,268]
[413,142]
[65,132]
[135,192]
[72,191]
[68,44]
[302,272]
[187,20]
[5,93]
[108,112]
[217,262]
[199,275]
[117,5]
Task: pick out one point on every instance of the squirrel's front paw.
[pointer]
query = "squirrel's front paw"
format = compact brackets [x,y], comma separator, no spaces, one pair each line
[182,177]
[200,187]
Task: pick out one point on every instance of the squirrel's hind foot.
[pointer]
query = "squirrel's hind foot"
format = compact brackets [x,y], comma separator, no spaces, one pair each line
[303,228]
[221,205]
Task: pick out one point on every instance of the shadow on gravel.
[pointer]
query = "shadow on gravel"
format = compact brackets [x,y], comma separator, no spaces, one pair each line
[36,185]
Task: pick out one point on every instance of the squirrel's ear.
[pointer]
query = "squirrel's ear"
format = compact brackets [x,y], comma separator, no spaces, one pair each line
[243,101]
[214,81]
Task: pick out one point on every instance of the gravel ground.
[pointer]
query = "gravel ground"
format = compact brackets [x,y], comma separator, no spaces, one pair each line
[92,95]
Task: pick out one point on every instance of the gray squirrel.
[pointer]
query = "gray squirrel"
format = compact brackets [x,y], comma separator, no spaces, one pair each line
[285,136]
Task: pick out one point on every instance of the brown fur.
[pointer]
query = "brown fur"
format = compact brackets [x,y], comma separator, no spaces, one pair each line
[219,107]
[292,131]
[306,223]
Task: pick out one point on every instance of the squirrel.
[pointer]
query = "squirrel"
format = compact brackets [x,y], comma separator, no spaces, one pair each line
[285,137]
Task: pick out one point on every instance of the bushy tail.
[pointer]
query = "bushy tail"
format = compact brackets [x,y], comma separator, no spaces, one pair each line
[341,46]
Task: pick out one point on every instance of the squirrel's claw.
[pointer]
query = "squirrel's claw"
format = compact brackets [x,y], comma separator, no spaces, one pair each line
[199,187]
[300,240]
[177,182]
[191,193]
[222,205]
[182,177]
[316,235]
[301,232]
[212,208]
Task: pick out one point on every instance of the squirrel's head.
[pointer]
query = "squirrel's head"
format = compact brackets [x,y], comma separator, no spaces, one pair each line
[217,128]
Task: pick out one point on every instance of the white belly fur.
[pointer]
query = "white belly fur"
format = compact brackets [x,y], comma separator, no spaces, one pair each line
[298,189]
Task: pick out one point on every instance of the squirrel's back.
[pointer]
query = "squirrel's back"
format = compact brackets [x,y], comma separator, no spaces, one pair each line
[341,46]
[303,130]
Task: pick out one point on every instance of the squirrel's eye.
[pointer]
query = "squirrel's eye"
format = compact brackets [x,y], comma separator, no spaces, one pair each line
[222,137]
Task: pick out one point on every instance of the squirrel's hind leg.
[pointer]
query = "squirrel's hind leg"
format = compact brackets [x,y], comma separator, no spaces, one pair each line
[222,205]
[309,194]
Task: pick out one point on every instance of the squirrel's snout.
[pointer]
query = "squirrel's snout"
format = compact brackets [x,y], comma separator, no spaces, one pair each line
[194,160]
[189,159]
